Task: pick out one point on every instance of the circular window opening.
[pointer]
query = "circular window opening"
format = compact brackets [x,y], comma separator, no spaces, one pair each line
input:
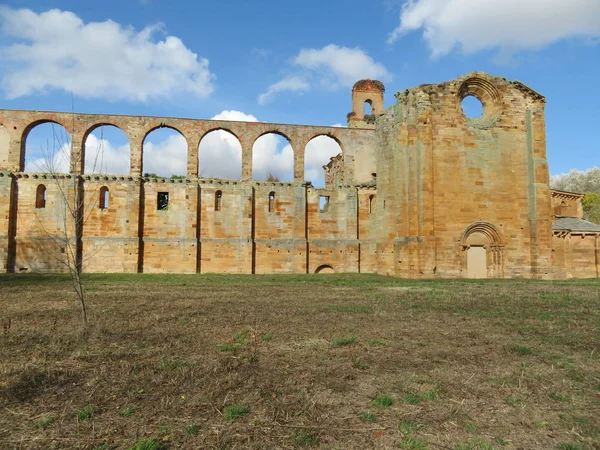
[472,107]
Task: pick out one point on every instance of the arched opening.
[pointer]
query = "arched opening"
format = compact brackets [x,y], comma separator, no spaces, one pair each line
[220,156]
[371,203]
[272,158]
[47,148]
[325,269]
[483,250]
[271,201]
[103,200]
[318,152]
[40,196]
[472,107]
[218,200]
[165,153]
[107,151]
[369,108]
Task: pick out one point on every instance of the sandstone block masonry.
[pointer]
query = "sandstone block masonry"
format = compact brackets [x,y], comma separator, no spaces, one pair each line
[419,190]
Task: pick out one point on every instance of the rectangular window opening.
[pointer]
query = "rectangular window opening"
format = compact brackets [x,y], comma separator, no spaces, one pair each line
[324,203]
[162,201]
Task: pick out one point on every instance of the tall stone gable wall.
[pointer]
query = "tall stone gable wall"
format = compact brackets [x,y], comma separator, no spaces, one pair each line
[410,196]
[441,174]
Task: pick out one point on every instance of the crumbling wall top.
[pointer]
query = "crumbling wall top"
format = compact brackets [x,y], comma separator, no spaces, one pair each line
[369,85]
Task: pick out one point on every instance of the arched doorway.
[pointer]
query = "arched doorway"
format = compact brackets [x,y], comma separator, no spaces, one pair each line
[482,246]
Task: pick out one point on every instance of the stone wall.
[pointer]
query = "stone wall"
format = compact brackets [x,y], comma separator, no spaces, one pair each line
[425,193]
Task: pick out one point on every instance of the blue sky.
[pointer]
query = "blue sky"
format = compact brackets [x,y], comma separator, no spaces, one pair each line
[295,62]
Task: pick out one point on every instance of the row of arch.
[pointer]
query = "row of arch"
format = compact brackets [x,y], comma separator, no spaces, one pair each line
[46,147]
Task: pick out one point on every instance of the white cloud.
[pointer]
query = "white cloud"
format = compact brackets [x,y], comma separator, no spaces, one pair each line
[509,25]
[57,50]
[167,157]
[50,160]
[293,84]
[103,157]
[220,152]
[340,65]
[272,154]
[318,153]
[330,67]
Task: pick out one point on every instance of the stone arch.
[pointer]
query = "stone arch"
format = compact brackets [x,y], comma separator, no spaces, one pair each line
[173,144]
[318,152]
[482,251]
[275,157]
[62,140]
[220,143]
[325,268]
[117,167]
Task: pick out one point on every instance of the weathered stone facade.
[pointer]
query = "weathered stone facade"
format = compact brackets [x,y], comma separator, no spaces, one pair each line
[419,190]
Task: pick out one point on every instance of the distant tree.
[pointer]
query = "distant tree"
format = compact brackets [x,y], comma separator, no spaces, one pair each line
[578,181]
[272,177]
[591,207]
[586,182]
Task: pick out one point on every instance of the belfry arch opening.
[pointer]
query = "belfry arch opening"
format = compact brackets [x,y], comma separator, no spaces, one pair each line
[368,107]
[272,158]
[165,153]
[107,151]
[220,156]
[318,152]
[47,148]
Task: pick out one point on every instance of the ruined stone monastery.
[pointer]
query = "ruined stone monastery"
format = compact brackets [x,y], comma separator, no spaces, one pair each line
[419,190]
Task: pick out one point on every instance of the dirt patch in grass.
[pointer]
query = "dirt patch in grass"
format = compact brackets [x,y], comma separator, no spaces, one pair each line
[297,361]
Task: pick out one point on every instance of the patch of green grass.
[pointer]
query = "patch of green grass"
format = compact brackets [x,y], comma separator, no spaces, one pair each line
[475,444]
[411,398]
[368,416]
[559,397]
[104,446]
[45,422]
[169,364]
[411,443]
[376,343]
[408,427]
[268,337]
[521,349]
[572,446]
[305,438]
[430,395]
[147,444]
[192,430]
[228,347]
[233,412]
[383,400]
[514,401]
[127,411]
[351,308]
[340,342]
[471,428]
[86,413]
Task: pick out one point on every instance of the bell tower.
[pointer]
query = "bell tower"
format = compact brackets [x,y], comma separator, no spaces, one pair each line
[367,103]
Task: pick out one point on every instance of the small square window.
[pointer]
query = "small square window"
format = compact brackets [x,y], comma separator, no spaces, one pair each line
[162,201]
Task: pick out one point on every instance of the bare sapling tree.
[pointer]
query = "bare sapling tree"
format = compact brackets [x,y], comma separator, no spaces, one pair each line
[71,207]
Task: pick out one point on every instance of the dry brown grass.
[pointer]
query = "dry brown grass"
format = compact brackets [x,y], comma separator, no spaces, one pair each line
[495,364]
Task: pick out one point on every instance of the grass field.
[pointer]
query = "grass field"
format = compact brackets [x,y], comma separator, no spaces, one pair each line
[329,361]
